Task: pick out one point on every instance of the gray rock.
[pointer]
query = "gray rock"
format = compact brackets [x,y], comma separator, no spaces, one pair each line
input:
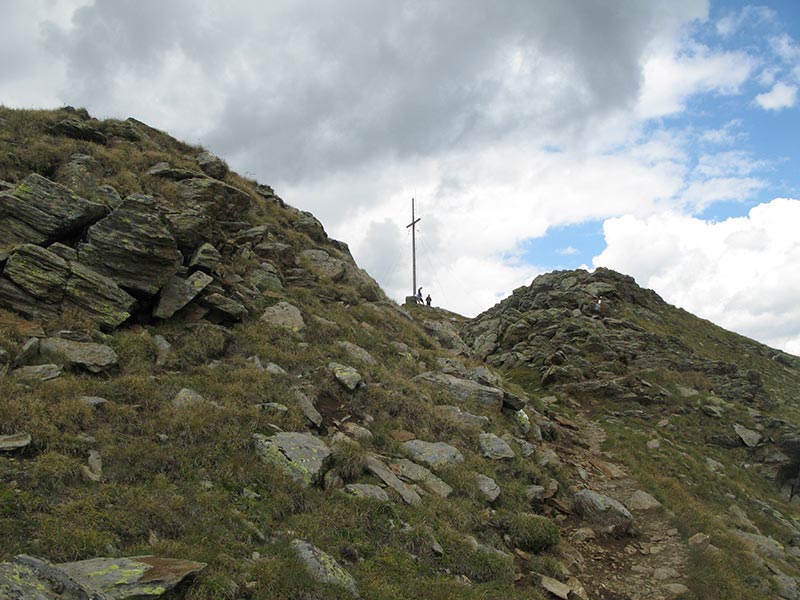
[323,567]
[95,358]
[40,211]
[741,520]
[350,379]
[230,309]
[178,292]
[307,406]
[434,454]
[163,350]
[447,335]
[488,487]
[285,316]
[465,418]
[376,466]
[212,165]
[94,469]
[98,296]
[266,278]
[749,437]
[494,447]
[761,544]
[190,228]
[274,369]
[17,300]
[357,431]
[322,264]
[206,258]
[38,272]
[301,455]
[274,408]
[641,500]
[28,352]
[65,252]
[602,510]
[356,352]
[218,200]
[14,441]
[145,577]
[187,397]
[37,372]
[785,586]
[108,195]
[165,171]
[79,130]
[366,490]
[464,389]
[418,474]
[93,401]
[132,246]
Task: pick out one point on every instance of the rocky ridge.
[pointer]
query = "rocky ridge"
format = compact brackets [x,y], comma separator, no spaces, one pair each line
[191,367]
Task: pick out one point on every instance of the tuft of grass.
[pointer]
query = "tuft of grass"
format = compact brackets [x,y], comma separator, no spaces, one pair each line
[533,533]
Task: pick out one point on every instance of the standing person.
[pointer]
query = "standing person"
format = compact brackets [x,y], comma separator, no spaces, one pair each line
[428,300]
[419,296]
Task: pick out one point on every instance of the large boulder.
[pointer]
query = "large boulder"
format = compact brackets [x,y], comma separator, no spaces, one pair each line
[132,246]
[79,130]
[494,447]
[601,510]
[178,292]
[98,296]
[216,199]
[38,272]
[301,455]
[285,316]
[447,335]
[212,165]
[40,211]
[322,264]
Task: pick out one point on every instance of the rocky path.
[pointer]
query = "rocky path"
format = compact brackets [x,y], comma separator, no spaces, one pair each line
[650,564]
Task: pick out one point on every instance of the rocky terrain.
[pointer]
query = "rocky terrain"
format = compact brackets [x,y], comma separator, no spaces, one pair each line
[202,396]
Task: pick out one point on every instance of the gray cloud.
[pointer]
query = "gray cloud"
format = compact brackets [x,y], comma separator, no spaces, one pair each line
[310,88]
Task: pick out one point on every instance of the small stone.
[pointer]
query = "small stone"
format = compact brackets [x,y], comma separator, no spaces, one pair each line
[641,500]
[654,444]
[187,397]
[350,379]
[37,372]
[366,490]
[357,431]
[93,401]
[488,487]
[14,442]
[274,369]
[274,408]
[284,315]
[583,534]
[323,567]
[307,406]
[749,437]
[676,590]
[494,447]
[662,573]
[699,540]
[434,454]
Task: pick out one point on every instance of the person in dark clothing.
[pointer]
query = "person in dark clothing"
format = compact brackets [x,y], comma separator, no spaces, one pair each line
[428,300]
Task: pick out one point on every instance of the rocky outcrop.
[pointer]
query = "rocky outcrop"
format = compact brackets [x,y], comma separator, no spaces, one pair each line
[40,211]
[133,247]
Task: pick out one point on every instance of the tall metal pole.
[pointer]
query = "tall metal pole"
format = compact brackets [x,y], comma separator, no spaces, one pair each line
[413,225]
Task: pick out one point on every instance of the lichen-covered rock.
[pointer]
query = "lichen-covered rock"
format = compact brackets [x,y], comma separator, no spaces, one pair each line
[190,227]
[212,165]
[98,296]
[38,272]
[447,335]
[37,372]
[301,455]
[132,246]
[285,316]
[434,454]
[463,417]
[323,567]
[350,379]
[464,389]
[322,264]
[488,487]
[229,308]
[40,211]
[307,406]
[599,509]
[95,358]
[266,278]
[494,447]
[206,258]
[377,467]
[165,171]
[187,397]
[418,474]
[178,292]
[356,352]
[216,199]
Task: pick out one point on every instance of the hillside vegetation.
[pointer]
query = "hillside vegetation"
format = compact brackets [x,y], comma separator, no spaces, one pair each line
[202,396]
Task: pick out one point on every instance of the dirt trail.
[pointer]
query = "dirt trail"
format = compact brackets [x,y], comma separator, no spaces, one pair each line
[651,564]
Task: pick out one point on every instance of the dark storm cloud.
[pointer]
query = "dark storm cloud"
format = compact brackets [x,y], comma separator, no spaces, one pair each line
[313,87]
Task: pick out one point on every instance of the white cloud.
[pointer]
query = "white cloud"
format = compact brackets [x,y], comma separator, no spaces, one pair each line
[781,96]
[740,273]
[732,23]
[724,136]
[568,251]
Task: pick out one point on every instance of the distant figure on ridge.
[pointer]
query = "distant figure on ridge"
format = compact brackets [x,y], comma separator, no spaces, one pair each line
[598,305]
[428,300]
[419,296]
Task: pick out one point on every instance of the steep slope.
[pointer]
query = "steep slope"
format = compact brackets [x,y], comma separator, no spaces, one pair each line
[705,419]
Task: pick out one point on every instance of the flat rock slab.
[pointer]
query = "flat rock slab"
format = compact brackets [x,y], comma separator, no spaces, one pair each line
[37,372]
[411,471]
[749,437]
[323,567]
[285,316]
[301,455]
[494,447]
[14,441]
[434,454]
[95,358]
[599,509]
[367,490]
[140,577]
[464,389]
[376,466]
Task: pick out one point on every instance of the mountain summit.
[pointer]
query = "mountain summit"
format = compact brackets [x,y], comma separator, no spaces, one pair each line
[202,396]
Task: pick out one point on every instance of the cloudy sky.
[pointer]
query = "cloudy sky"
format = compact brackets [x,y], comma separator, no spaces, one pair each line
[659,137]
